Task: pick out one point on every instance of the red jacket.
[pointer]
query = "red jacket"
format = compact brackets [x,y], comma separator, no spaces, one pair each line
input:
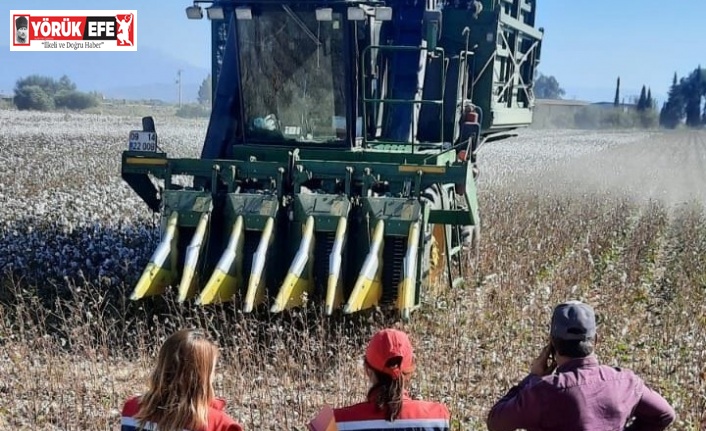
[218,420]
[415,415]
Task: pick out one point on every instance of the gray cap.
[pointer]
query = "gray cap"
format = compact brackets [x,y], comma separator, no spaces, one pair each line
[573,320]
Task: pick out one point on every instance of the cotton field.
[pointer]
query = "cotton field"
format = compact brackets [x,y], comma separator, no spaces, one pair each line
[66,211]
[615,218]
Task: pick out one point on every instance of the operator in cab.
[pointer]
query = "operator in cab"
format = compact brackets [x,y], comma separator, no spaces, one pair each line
[389,363]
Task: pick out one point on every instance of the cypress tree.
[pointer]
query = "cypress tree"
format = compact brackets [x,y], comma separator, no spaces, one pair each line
[691,92]
[673,110]
[642,102]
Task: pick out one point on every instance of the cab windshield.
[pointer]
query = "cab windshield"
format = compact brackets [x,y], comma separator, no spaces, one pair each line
[292,76]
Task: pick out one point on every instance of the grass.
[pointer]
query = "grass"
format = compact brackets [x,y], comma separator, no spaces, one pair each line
[70,365]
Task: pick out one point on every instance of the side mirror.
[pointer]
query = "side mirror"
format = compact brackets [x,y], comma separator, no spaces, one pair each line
[432,24]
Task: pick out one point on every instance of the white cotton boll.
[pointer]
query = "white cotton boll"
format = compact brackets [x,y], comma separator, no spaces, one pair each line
[80,215]
[57,222]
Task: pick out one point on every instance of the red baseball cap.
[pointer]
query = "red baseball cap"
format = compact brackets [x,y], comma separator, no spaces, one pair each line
[389,344]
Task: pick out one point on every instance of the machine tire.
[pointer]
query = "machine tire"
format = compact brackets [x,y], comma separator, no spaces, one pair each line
[434,251]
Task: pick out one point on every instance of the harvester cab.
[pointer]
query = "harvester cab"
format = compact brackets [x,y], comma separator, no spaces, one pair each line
[339,163]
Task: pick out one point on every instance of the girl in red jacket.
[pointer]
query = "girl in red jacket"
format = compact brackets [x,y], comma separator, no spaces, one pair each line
[389,362]
[180,395]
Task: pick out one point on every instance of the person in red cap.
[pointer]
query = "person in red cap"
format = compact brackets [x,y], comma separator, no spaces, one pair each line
[568,389]
[389,363]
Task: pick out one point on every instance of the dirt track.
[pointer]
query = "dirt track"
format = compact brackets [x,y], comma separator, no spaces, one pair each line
[665,166]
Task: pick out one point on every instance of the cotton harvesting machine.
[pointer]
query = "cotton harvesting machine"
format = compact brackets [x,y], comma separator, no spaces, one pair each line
[339,164]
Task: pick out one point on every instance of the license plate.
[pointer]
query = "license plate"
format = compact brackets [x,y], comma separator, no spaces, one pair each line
[142,141]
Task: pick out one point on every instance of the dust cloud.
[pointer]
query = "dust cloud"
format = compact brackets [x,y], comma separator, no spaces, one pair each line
[665,166]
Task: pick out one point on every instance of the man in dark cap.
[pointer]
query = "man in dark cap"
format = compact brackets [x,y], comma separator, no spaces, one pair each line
[568,389]
[21,27]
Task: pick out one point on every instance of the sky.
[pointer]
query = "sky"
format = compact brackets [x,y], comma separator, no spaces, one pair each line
[587,44]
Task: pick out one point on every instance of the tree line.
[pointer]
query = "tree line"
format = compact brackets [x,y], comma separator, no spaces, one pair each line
[44,93]
[202,109]
[686,104]
[684,101]
[640,113]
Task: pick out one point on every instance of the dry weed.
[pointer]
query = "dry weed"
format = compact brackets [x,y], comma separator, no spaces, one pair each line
[73,354]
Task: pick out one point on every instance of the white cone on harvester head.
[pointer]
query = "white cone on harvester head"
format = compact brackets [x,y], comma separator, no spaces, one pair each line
[189,280]
[227,278]
[334,286]
[299,280]
[161,271]
[368,287]
[256,292]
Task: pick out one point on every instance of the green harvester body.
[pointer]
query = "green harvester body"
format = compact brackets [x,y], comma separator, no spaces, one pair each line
[339,164]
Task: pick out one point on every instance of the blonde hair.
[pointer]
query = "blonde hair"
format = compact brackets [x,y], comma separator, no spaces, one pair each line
[180,387]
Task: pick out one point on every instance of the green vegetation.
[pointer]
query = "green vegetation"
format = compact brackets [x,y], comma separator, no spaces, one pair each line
[193,111]
[547,87]
[642,115]
[596,117]
[202,109]
[43,93]
[645,102]
[6,103]
[685,100]
[205,91]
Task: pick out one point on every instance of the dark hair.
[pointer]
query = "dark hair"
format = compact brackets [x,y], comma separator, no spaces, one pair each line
[573,348]
[388,391]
